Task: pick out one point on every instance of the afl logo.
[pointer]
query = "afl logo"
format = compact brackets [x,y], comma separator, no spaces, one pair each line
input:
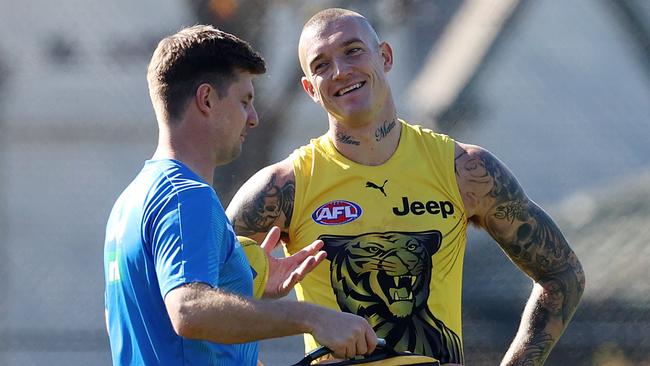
[337,213]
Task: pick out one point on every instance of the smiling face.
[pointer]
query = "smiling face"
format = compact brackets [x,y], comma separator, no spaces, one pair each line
[345,69]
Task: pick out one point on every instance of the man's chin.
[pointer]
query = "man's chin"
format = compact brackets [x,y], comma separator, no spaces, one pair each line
[236,152]
[354,115]
[227,159]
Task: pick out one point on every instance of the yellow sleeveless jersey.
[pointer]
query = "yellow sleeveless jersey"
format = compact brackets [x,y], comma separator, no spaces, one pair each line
[395,239]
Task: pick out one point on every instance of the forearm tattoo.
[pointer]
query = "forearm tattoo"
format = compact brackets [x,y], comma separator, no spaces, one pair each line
[385,129]
[540,344]
[346,139]
[265,209]
[532,240]
[541,341]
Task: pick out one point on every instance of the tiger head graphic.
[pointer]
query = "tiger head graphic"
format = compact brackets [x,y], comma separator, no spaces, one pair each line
[387,273]
[385,278]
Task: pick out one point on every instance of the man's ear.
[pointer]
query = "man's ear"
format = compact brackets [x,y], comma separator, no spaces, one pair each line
[202,97]
[309,88]
[387,54]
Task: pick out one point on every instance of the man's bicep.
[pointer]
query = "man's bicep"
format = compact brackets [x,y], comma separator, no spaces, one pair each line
[264,201]
[523,230]
[530,238]
[536,245]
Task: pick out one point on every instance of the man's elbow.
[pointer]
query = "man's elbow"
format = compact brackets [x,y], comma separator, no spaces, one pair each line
[574,283]
[183,321]
[580,277]
[184,310]
[569,280]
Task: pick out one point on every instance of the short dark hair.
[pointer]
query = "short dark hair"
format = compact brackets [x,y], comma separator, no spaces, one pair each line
[193,56]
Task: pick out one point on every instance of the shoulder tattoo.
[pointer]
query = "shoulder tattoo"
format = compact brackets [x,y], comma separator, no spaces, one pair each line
[267,207]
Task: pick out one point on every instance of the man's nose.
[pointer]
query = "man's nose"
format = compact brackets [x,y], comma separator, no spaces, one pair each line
[253,119]
[341,69]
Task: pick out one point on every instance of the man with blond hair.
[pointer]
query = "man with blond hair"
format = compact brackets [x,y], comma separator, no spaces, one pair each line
[392,202]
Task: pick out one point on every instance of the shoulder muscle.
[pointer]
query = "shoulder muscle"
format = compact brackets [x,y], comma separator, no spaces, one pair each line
[483,181]
[264,201]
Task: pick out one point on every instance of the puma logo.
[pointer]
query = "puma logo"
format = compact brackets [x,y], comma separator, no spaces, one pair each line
[370,184]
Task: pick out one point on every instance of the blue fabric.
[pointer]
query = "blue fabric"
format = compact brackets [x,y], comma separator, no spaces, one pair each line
[167,229]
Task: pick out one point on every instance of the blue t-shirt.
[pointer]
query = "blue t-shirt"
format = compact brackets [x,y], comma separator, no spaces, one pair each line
[167,229]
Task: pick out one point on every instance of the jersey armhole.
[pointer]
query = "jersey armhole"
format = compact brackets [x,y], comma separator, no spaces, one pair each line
[455,190]
[298,201]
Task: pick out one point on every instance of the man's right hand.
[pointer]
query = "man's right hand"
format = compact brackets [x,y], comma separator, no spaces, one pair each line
[285,273]
[347,335]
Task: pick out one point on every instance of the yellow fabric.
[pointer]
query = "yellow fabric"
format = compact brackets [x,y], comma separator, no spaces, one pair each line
[386,246]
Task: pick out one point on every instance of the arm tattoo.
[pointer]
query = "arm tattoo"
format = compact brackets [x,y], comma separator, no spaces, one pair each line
[533,241]
[346,139]
[541,341]
[511,211]
[540,344]
[527,234]
[263,211]
[385,129]
[288,194]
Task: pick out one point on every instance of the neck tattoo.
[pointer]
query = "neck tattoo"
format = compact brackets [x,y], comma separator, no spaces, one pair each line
[384,130]
[346,139]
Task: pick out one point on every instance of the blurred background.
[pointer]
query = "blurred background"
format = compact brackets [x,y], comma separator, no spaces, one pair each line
[559,90]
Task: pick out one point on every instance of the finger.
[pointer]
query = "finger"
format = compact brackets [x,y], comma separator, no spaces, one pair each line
[299,273]
[307,266]
[290,282]
[319,257]
[271,240]
[316,246]
[302,269]
[361,345]
[371,340]
[351,350]
[339,352]
[311,249]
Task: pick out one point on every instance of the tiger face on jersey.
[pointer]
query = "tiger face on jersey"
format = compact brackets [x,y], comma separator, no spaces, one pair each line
[395,239]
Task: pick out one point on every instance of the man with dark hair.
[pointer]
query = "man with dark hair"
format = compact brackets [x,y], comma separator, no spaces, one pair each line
[395,249]
[178,285]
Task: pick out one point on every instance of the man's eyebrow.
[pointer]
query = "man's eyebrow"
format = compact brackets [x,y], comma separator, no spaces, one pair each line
[350,41]
[312,62]
[344,44]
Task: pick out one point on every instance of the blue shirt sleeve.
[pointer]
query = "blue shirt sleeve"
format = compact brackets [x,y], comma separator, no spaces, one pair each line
[187,239]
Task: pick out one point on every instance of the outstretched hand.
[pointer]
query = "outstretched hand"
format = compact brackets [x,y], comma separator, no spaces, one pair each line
[285,273]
